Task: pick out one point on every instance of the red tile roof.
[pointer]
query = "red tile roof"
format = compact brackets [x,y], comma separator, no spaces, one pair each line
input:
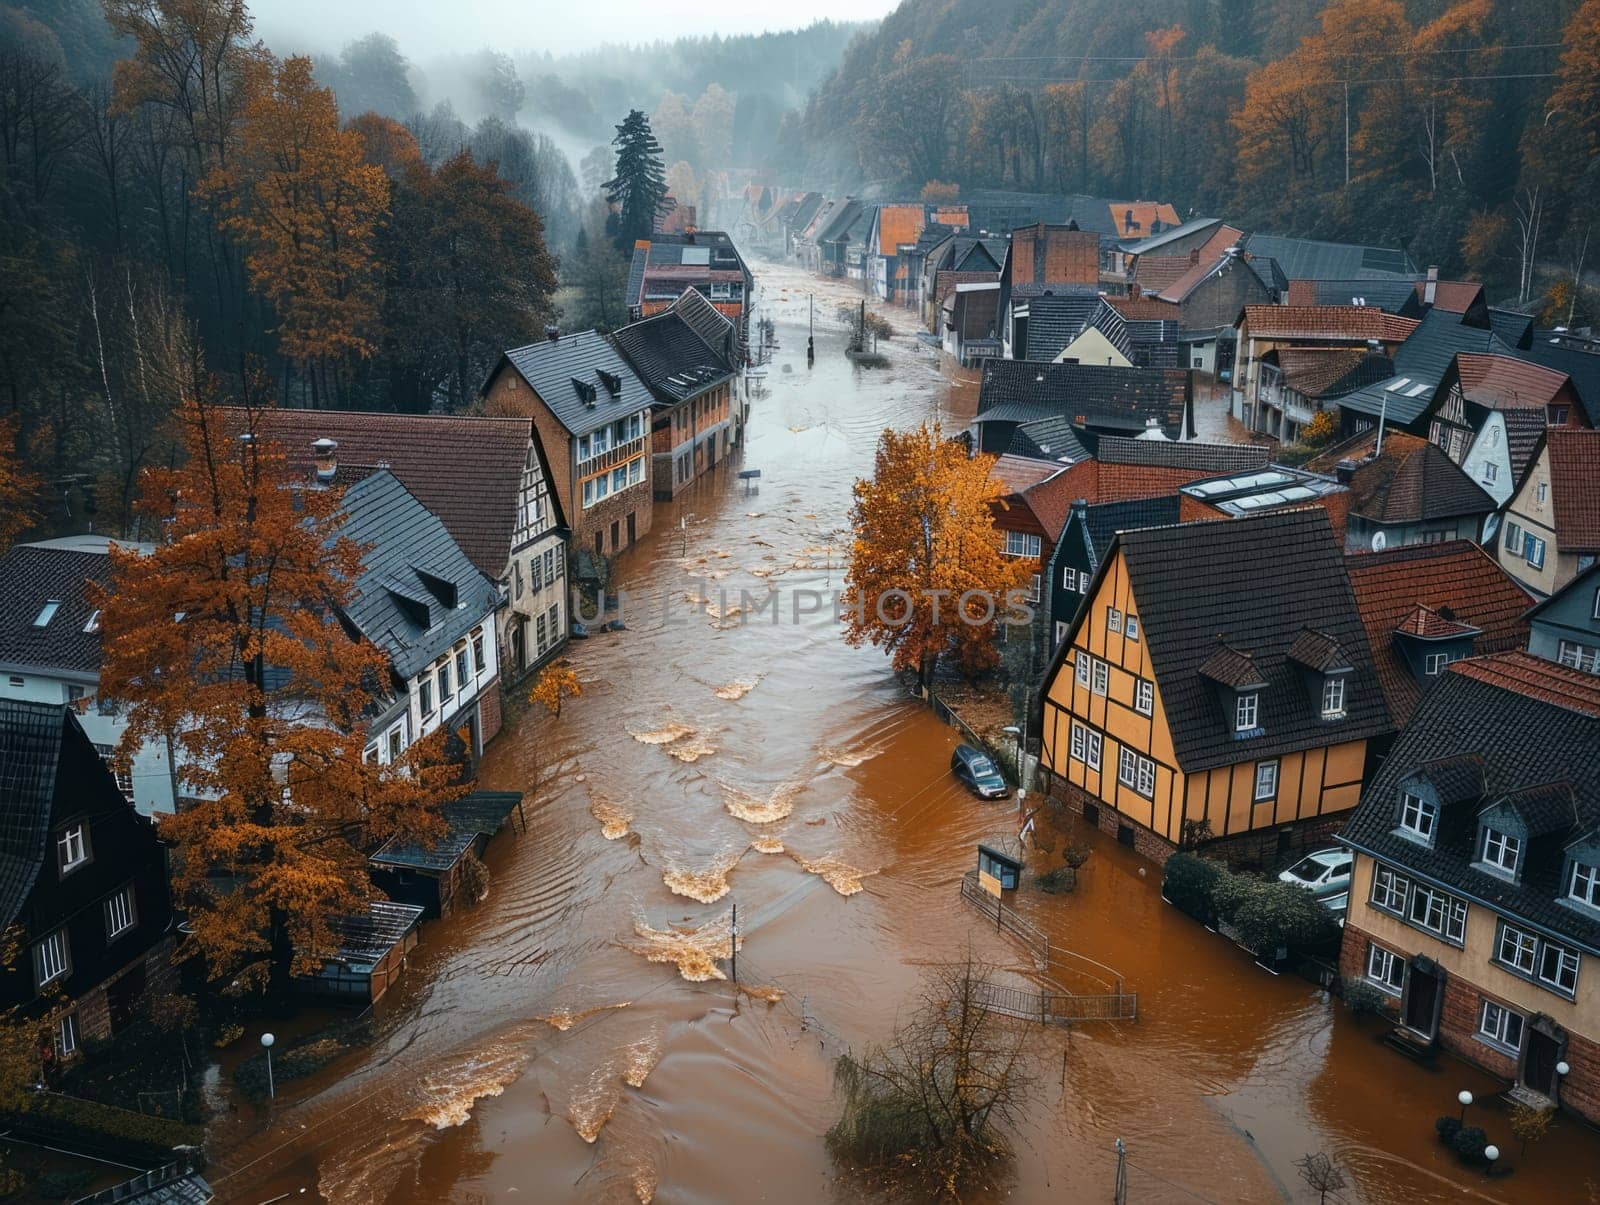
[1145,308]
[1343,322]
[1410,482]
[1431,625]
[1155,272]
[898,224]
[1203,262]
[1393,585]
[1575,481]
[467,471]
[1456,296]
[1535,678]
[1504,381]
[1020,473]
[1145,214]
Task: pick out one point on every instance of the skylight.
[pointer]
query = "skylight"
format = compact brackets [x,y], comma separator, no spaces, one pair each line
[93,622]
[1395,386]
[47,613]
[1416,389]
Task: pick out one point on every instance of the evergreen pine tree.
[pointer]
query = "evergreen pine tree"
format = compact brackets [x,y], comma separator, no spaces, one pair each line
[639,188]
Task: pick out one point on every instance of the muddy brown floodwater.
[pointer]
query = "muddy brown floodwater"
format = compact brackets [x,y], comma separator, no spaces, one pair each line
[574,1038]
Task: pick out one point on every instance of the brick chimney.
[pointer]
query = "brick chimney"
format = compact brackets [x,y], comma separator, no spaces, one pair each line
[1135,290]
[325,458]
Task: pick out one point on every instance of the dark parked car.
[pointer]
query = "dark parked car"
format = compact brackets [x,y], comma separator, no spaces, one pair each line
[979,773]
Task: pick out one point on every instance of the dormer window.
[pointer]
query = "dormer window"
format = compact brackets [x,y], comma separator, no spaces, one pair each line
[1333,698]
[1419,817]
[47,613]
[1499,851]
[1584,885]
[1245,709]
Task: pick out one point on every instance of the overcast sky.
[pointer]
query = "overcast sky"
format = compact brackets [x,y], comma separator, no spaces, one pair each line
[424,27]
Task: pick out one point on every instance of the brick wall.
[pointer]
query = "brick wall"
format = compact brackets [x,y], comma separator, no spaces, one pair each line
[1458,1023]
[1111,822]
[1271,846]
[489,715]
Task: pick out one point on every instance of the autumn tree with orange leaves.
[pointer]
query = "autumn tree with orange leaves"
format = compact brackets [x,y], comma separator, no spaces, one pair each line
[18,487]
[227,641]
[926,572]
[306,204]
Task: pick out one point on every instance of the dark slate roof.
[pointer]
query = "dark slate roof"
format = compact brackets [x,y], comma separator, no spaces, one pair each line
[671,357]
[1187,454]
[479,814]
[1232,667]
[1266,579]
[1103,521]
[1313,259]
[1318,651]
[170,1185]
[1093,395]
[1055,320]
[32,575]
[1582,366]
[1152,244]
[467,471]
[418,593]
[1516,329]
[1053,439]
[556,368]
[30,753]
[1397,295]
[1422,360]
[1532,728]
[367,938]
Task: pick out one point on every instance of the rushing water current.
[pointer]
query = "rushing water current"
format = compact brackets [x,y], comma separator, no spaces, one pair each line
[578,1035]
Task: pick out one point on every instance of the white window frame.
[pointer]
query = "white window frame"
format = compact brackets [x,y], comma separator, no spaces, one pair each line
[1521,944]
[1102,677]
[65,1036]
[1131,628]
[1113,620]
[1333,697]
[1535,552]
[1144,696]
[1390,891]
[1588,893]
[1442,914]
[1035,587]
[1079,741]
[1246,711]
[1147,778]
[1083,665]
[1128,767]
[1022,544]
[1564,957]
[72,849]
[1266,780]
[1386,970]
[1576,655]
[1500,850]
[1418,816]
[1497,1024]
[1093,743]
[121,912]
[1514,538]
[52,958]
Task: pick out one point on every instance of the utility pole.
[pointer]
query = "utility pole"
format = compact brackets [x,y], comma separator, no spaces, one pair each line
[1121,1196]
[733,945]
[1347,134]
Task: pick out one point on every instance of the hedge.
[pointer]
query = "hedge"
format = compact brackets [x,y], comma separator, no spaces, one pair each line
[74,1120]
[1188,882]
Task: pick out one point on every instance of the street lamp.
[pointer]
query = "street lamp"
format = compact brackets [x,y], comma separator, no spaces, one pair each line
[1491,1153]
[266,1043]
[1465,1098]
[1562,1068]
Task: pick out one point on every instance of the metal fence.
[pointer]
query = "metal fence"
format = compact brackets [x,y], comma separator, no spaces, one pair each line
[1051,1003]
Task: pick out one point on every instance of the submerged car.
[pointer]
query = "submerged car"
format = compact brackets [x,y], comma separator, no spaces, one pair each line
[1322,872]
[973,767]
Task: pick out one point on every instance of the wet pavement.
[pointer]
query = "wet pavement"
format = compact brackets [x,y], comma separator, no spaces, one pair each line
[574,1037]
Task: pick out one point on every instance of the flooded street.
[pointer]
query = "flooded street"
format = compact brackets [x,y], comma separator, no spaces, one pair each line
[575,1038]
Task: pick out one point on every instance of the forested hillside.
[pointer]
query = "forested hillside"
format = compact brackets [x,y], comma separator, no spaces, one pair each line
[1468,131]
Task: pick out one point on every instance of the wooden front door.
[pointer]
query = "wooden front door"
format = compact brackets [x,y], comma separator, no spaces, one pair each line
[1424,987]
[1539,1063]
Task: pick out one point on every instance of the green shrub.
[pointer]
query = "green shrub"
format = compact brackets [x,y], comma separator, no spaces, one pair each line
[73,1118]
[1271,915]
[1362,997]
[306,1057]
[1447,1127]
[1188,881]
[1058,881]
[1468,1142]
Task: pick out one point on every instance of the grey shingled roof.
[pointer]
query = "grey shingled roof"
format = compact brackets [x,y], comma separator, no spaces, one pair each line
[1582,366]
[405,541]
[1313,259]
[1021,391]
[556,367]
[32,575]
[1104,520]
[30,753]
[1534,753]
[1056,319]
[1189,454]
[671,358]
[479,814]
[1053,439]
[1152,244]
[367,938]
[170,1185]
[1422,359]
[1266,578]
